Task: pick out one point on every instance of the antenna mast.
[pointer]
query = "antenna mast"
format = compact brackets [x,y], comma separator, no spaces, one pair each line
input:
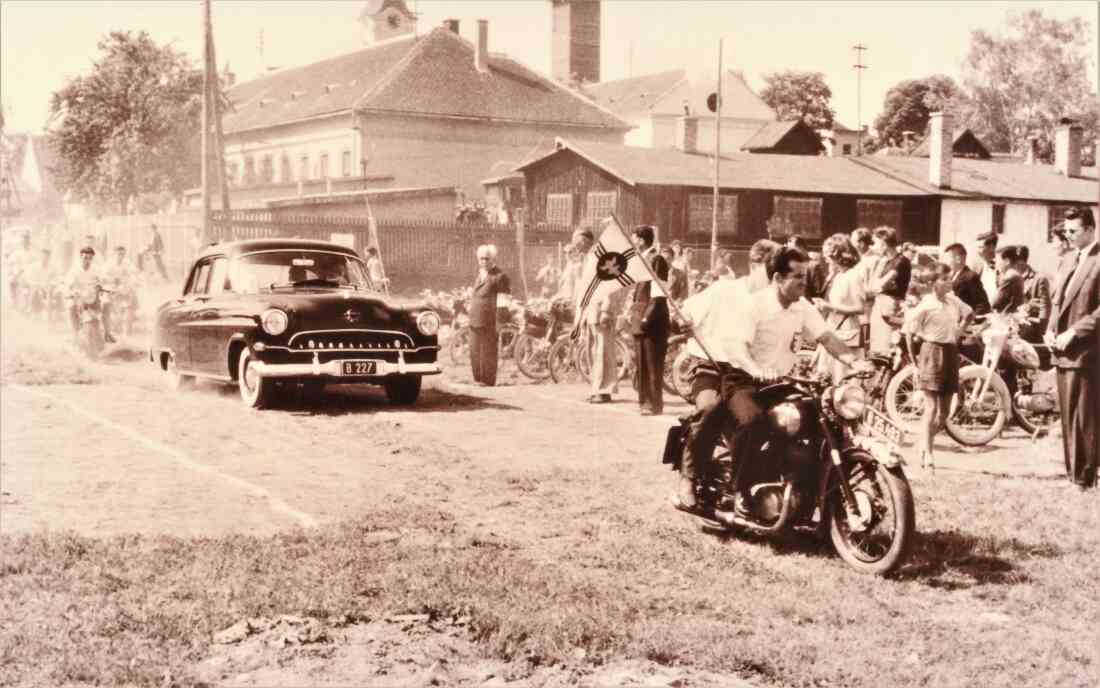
[859,67]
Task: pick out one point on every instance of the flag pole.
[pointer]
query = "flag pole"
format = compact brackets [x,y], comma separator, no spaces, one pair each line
[664,290]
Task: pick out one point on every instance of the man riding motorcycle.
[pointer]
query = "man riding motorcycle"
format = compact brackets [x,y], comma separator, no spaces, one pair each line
[39,280]
[760,348]
[121,278]
[16,264]
[83,277]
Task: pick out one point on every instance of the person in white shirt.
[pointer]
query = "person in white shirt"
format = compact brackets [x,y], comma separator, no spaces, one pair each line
[16,263]
[80,281]
[845,298]
[985,265]
[121,278]
[39,280]
[938,320]
[711,315]
[375,271]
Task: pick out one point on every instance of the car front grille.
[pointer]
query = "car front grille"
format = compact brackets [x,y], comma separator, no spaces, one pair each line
[351,340]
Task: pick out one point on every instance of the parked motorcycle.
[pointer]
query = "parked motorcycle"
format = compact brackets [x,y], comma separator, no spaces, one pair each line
[824,461]
[543,323]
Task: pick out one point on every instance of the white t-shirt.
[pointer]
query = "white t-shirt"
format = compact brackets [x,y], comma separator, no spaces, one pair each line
[714,314]
[937,321]
[767,329]
[847,292]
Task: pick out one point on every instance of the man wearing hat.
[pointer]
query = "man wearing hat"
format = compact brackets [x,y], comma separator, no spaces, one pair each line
[84,277]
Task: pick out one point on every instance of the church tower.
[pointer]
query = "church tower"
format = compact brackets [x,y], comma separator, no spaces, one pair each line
[385,19]
[575,44]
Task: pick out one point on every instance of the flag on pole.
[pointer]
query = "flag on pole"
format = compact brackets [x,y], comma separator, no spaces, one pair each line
[611,264]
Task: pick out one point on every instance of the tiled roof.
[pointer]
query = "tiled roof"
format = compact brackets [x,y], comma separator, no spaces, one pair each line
[923,149]
[632,98]
[769,135]
[992,179]
[795,173]
[429,75]
[665,93]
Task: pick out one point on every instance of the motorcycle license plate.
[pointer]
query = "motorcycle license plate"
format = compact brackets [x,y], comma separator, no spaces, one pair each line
[879,425]
[358,368]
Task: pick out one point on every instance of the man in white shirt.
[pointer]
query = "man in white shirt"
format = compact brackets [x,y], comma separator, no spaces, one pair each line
[761,350]
[711,314]
[121,278]
[984,263]
[82,278]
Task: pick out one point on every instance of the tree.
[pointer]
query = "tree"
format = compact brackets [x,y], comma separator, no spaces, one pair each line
[909,105]
[132,125]
[1025,81]
[793,95]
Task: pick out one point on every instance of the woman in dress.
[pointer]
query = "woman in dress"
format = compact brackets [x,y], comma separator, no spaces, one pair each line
[843,303]
[937,321]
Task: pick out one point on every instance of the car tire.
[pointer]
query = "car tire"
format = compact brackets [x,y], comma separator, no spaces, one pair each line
[256,391]
[174,379]
[402,390]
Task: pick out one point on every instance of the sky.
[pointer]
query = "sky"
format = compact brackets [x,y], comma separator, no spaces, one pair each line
[44,43]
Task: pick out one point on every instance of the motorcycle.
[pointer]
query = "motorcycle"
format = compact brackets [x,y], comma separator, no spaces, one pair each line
[825,461]
[89,321]
[542,325]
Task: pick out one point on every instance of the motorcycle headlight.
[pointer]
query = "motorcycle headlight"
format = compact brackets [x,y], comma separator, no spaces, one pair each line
[786,418]
[274,321]
[849,401]
[428,323]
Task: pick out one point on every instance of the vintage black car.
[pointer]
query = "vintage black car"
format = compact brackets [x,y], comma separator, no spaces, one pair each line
[271,313]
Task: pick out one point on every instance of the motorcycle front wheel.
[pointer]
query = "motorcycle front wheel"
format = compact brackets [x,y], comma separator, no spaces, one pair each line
[881,540]
[91,339]
[974,419]
[562,362]
[532,356]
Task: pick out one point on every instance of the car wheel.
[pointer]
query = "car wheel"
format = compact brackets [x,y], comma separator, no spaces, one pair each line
[256,390]
[173,378]
[403,389]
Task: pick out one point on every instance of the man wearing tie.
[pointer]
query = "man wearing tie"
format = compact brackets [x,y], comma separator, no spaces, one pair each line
[483,316]
[1074,335]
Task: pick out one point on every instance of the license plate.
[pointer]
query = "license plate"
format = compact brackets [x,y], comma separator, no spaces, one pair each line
[875,423]
[352,368]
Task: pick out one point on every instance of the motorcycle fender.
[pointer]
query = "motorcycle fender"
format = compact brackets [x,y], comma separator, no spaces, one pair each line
[849,455]
[674,446]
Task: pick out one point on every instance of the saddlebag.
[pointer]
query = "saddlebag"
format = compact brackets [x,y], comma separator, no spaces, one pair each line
[674,445]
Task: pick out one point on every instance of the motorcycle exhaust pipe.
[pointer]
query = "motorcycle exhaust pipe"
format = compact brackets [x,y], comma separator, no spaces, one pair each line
[730,519]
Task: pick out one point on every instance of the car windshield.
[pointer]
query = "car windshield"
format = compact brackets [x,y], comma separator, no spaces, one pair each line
[286,268]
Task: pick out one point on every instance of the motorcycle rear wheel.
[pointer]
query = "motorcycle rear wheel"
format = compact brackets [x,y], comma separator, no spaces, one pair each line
[681,375]
[90,338]
[886,492]
[904,402]
[1032,422]
[532,356]
[977,422]
[458,346]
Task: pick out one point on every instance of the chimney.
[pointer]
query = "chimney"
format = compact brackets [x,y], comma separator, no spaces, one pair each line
[687,134]
[907,140]
[575,33]
[481,50]
[1032,150]
[939,150]
[1067,149]
[451,25]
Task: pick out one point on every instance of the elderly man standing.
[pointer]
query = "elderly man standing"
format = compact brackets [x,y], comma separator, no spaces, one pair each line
[1075,336]
[491,281]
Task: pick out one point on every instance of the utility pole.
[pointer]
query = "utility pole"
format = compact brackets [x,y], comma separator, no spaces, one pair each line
[206,88]
[717,159]
[216,110]
[859,67]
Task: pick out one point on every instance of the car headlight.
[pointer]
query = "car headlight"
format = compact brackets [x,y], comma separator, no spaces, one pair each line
[428,323]
[849,401]
[786,418]
[274,321]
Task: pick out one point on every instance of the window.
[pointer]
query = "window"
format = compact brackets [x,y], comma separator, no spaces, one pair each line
[998,223]
[249,171]
[345,164]
[701,214]
[847,149]
[599,205]
[559,210]
[303,168]
[322,166]
[267,170]
[803,214]
[872,214]
[284,169]
[199,278]
[219,277]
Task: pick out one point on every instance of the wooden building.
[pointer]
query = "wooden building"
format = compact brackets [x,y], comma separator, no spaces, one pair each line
[579,183]
[793,137]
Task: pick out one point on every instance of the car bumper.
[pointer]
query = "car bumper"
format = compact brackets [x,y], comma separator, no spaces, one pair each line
[334,369]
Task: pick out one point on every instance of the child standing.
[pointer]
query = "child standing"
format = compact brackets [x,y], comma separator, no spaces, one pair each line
[937,321]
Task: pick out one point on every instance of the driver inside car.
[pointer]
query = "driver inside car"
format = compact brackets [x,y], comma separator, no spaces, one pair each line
[760,351]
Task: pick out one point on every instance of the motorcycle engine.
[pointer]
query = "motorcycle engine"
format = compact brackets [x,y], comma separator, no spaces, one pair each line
[1037,403]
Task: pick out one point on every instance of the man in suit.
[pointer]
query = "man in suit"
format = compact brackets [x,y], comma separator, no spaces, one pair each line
[965,282]
[649,325]
[1036,296]
[483,316]
[1075,337]
[984,262]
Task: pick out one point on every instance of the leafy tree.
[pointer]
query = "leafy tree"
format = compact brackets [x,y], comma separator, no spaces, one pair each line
[132,125]
[1025,81]
[793,95]
[909,105]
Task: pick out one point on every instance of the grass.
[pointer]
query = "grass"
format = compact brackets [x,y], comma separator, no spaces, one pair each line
[1009,602]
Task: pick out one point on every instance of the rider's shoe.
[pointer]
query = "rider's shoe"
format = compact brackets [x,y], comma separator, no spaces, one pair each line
[740,512]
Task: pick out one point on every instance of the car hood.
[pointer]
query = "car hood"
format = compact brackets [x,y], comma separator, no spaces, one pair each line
[342,308]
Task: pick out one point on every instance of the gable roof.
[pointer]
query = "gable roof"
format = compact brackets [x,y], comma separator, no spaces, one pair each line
[964,142]
[431,75]
[992,179]
[794,173]
[664,94]
[771,135]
